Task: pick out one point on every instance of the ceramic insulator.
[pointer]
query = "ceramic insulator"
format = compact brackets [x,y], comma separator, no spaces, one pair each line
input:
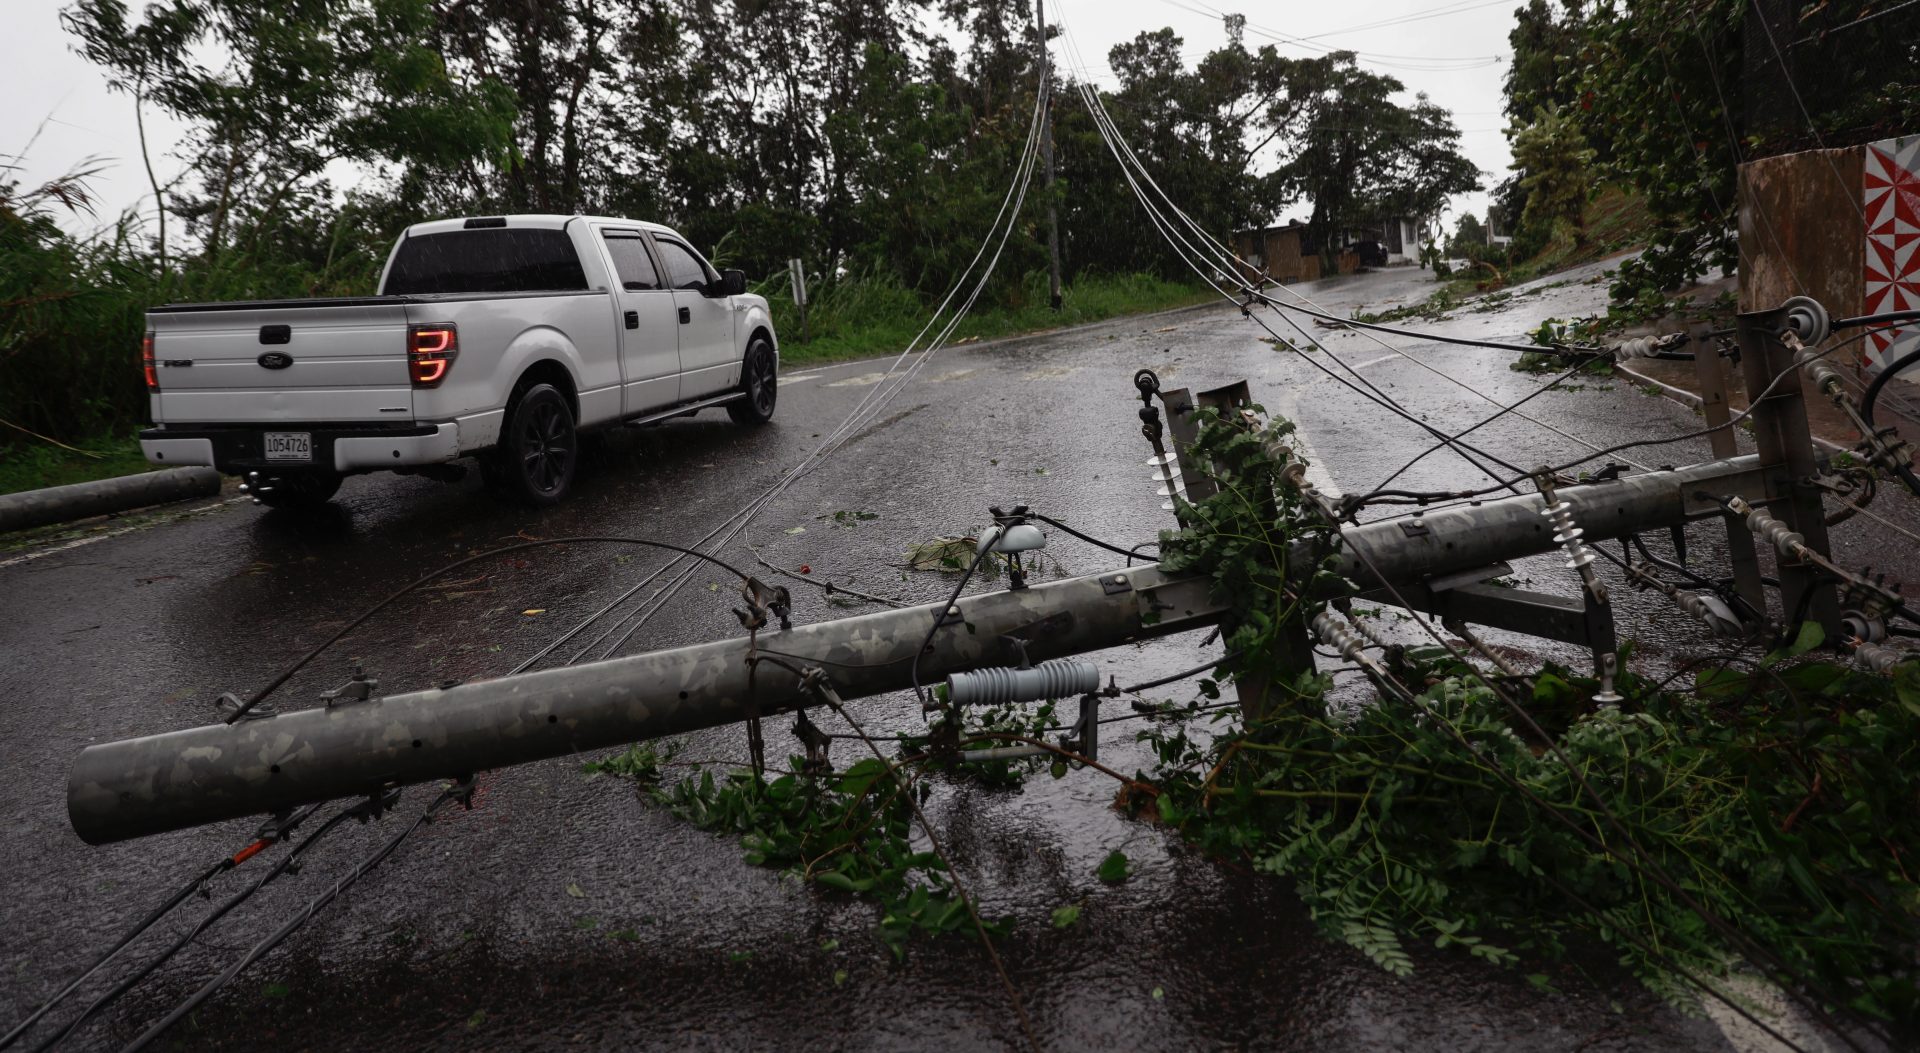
[1059,678]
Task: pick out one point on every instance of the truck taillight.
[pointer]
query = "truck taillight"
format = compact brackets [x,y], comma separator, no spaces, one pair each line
[431,350]
[147,362]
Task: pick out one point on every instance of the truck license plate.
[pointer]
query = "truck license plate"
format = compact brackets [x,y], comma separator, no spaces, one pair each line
[288,445]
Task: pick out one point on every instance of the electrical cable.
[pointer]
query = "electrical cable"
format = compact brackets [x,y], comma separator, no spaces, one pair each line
[866,409]
[1892,369]
[1507,484]
[1874,319]
[1124,155]
[128,982]
[1181,675]
[1537,392]
[287,673]
[1846,189]
[832,699]
[1094,541]
[881,393]
[1442,338]
[279,833]
[1015,198]
[1824,33]
[827,586]
[1646,861]
[299,918]
[1227,266]
[145,923]
[940,618]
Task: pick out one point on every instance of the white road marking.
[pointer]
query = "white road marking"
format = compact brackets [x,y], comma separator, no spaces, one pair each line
[92,538]
[860,381]
[1376,361]
[1317,472]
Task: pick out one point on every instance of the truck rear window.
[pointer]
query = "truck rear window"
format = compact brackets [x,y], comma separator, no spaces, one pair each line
[486,261]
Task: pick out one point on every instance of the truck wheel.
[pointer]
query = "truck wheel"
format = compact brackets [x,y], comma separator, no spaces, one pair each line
[295,489]
[538,448]
[759,379]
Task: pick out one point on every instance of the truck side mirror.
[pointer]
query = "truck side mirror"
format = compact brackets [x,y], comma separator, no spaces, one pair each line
[732,282]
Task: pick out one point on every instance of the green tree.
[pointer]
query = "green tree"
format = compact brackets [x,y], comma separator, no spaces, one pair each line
[1674,94]
[1557,179]
[1468,232]
[300,85]
[1361,157]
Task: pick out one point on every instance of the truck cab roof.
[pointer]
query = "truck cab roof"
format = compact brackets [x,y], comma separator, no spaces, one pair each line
[536,221]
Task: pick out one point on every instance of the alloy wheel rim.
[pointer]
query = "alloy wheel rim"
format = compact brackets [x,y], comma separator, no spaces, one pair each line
[763,393]
[545,448]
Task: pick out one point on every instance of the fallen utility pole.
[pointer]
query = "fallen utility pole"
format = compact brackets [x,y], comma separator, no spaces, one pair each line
[149,785]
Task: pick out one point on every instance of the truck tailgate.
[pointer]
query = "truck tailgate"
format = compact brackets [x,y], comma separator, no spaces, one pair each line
[282,361]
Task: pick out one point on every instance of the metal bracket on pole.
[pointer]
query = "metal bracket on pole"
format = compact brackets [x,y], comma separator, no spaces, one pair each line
[1181,405]
[1234,402]
[359,689]
[1783,438]
[815,741]
[1710,370]
[1512,610]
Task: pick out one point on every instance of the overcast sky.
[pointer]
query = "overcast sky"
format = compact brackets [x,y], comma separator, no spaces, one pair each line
[1454,50]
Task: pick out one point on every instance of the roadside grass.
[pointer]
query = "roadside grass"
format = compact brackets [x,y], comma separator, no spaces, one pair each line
[873,316]
[32,464]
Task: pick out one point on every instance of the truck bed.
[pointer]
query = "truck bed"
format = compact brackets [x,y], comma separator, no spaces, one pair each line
[313,302]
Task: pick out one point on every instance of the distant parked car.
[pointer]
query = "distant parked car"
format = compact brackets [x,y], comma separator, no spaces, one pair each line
[500,338]
[1372,253]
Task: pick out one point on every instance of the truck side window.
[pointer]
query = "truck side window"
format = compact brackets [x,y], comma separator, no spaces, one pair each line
[631,262]
[684,269]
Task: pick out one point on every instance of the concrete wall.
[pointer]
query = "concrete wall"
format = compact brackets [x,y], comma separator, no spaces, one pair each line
[1841,226]
[1801,232]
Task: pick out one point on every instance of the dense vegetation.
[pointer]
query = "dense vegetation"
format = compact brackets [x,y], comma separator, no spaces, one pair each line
[873,140]
[1739,812]
[1668,97]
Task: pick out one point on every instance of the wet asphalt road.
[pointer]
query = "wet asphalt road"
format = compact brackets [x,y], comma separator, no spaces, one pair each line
[565,912]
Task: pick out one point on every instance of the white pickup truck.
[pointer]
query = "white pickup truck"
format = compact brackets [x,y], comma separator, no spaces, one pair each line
[500,338]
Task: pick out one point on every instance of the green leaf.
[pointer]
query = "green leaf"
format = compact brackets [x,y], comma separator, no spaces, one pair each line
[1811,636]
[836,880]
[1066,917]
[1906,686]
[1115,868]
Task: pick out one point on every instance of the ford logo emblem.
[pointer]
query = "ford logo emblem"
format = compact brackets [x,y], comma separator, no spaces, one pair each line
[276,360]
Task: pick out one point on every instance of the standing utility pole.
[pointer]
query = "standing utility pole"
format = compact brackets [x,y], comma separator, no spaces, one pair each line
[1046,152]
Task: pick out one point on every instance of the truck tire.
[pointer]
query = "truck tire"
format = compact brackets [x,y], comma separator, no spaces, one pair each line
[298,490]
[539,448]
[759,379]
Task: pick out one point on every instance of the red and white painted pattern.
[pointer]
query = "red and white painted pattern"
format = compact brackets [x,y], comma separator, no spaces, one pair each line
[1891,193]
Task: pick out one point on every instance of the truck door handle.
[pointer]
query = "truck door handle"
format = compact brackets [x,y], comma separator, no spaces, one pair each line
[633,319]
[685,316]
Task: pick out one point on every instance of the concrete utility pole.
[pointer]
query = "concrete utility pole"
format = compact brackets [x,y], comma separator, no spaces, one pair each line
[149,785]
[1046,153]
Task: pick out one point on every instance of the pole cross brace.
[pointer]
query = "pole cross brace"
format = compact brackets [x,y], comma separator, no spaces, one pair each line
[1514,610]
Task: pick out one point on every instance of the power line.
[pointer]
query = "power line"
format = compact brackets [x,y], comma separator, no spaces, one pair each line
[1454,9]
[460,791]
